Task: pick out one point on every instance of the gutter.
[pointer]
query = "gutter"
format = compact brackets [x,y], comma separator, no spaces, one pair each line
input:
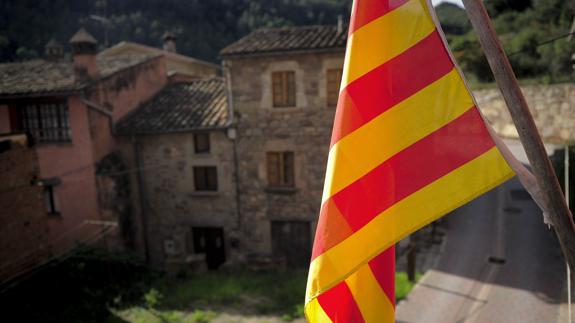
[142,198]
[282,53]
[98,108]
[228,79]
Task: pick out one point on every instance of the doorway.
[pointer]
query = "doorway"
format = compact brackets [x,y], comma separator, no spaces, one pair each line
[210,241]
[292,240]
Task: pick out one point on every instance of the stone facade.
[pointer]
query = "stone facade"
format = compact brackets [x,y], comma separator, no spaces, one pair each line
[552,106]
[24,235]
[304,130]
[173,205]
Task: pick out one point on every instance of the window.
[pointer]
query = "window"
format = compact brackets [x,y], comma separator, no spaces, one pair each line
[283,87]
[206,178]
[280,167]
[333,81]
[202,142]
[50,200]
[46,122]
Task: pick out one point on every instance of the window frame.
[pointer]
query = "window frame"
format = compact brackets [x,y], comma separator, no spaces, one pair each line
[202,182]
[46,121]
[332,86]
[283,88]
[285,176]
[197,147]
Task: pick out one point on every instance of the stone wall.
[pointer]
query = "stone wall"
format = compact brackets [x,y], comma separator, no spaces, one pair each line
[24,236]
[552,106]
[173,206]
[304,129]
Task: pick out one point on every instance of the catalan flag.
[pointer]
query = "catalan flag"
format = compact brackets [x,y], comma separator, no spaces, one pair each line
[408,146]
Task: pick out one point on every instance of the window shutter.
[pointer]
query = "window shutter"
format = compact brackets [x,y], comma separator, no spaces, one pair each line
[202,142]
[288,165]
[290,89]
[212,178]
[333,83]
[277,89]
[199,178]
[273,161]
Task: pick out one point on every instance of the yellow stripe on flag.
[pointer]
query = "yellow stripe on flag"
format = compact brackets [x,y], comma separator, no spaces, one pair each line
[394,130]
[370,298]
[384,38]
[420,208]
[315,314]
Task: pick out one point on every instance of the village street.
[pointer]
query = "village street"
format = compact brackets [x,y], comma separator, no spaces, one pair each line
[499,264]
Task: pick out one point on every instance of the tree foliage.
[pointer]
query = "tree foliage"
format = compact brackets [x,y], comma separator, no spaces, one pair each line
[202,27]
[530,32]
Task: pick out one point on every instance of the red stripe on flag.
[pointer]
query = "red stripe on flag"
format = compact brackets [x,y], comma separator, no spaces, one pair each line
[387,85]
[365,11]
[441,152]
[339,305]
[434,156]
[383,268]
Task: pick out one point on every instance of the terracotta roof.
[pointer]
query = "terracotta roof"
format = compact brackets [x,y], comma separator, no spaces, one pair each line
[52,77]
[302,38]
[180,107]
[116,50]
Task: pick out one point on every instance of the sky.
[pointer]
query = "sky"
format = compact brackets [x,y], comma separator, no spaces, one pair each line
[458,2]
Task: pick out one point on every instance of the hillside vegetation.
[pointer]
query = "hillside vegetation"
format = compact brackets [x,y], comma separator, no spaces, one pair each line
[205,27]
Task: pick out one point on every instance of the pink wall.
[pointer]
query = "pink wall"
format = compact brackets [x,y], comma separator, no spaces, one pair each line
[92,139]
[123,92]
[73,164]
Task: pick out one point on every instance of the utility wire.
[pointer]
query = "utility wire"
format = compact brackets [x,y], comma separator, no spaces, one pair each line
[547,42]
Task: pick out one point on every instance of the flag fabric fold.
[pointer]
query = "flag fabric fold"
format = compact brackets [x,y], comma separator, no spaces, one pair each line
[408,146]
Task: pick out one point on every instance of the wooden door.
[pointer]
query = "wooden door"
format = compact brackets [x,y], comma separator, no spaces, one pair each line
[292,240]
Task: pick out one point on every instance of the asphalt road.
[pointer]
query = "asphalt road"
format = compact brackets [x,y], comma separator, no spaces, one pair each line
[499,263]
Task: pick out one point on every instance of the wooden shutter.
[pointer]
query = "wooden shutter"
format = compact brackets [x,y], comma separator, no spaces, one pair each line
[283,89]
[288,168]
[212,178]
[200,178]
[202,142]
[273,168]
[290,88]
[277,88]
[333,83]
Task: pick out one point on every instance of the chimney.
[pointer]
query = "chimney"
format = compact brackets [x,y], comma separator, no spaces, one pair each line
[169,42]
[84,52]
[339,24]
[53,51]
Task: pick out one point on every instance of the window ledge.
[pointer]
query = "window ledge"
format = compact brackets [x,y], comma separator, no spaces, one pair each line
[205,193]
[281,190]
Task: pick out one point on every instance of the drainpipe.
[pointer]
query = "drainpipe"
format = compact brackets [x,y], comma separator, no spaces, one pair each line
[98,108]
[228,79]
[142,191]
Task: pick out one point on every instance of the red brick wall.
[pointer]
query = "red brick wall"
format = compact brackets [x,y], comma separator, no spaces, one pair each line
[24,239]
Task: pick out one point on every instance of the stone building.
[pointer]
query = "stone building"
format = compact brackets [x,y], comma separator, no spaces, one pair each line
[179,67]
[181,144]
[284,84]
[69,108]
[23,224]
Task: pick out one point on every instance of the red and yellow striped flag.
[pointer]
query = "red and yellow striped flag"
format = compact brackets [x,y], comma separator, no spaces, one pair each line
[408,146]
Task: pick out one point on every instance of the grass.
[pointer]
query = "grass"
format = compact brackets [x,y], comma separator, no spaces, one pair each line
[403,286]
[203,295]
[93,286]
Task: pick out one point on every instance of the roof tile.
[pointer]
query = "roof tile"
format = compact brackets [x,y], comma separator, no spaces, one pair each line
[179,107]
[270,40]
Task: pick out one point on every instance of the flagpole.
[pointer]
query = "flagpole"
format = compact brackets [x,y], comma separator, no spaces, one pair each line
[553,196]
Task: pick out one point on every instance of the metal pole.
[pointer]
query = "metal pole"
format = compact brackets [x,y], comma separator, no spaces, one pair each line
[553,196]
[566,178]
